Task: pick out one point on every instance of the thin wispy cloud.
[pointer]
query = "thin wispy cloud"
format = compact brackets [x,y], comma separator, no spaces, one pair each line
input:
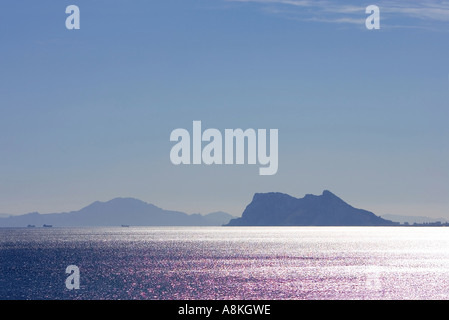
[425,10]
[395,13]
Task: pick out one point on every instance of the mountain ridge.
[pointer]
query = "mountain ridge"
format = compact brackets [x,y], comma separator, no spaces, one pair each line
[116,212]
[265,209]
[279,209]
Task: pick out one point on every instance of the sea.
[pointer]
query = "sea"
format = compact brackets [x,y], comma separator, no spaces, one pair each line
[231,263]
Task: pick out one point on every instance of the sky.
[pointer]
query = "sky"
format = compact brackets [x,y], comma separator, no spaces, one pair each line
[87,114]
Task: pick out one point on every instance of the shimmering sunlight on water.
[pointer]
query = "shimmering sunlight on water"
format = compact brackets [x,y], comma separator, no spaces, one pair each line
[226,263]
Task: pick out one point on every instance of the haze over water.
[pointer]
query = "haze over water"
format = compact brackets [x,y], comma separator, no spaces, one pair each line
[226,263]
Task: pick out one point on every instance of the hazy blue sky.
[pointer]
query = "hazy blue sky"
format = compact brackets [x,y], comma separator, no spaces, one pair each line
[86,114]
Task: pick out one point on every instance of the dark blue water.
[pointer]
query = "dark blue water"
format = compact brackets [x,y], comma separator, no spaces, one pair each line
[226,263]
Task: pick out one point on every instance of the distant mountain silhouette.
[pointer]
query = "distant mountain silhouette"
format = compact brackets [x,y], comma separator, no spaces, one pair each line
[413,219]
[279,209]
[218,218]
[117,212]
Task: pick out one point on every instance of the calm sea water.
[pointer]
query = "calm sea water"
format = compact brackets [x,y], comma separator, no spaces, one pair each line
[226,263]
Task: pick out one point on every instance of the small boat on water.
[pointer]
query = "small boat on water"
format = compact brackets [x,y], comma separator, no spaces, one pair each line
[31,226]
[47,226]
